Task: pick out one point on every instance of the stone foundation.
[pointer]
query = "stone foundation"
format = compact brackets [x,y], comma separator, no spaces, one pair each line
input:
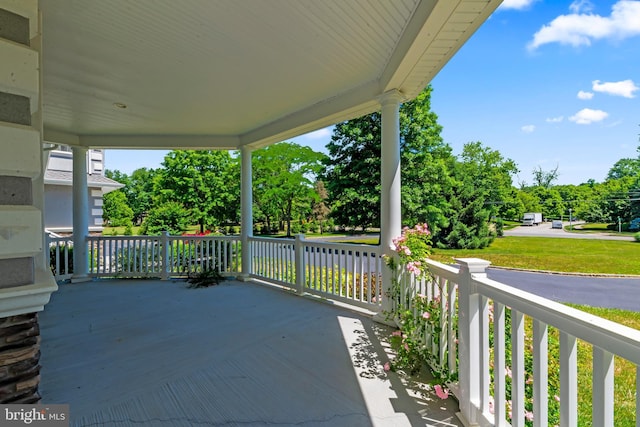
[19,359]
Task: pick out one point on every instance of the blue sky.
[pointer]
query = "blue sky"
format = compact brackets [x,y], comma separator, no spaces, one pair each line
[546,83]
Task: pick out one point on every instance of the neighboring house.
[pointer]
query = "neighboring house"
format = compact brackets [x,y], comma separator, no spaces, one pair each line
[58,194]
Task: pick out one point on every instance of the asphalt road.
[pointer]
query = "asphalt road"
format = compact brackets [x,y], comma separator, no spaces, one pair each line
[608,292]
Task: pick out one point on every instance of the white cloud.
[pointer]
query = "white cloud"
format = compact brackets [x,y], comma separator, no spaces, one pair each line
[528,128]
[517,4]
[585,95]
[623,88]
[579,29]
[581,6]
[587,116]
[555,119]
[320,133]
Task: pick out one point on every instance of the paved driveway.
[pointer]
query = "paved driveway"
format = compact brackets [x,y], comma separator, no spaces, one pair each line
[545,230]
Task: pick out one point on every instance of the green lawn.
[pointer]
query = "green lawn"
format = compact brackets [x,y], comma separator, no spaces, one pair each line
[624,372]
[554,254]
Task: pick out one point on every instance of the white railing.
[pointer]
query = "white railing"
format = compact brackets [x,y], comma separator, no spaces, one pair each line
[343,272]
[60,256]
[503,372]
[162,256]
[484,328]
[274,260]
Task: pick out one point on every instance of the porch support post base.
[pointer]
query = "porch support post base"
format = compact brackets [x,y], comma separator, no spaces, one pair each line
[80,279]
[384,319]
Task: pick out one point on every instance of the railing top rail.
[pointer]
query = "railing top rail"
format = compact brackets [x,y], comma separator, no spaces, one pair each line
[612,336]
[123,237]
[60,239]
[272,239]
[205,237]
[157,237]
[354,246]
[603,333]
[443,270]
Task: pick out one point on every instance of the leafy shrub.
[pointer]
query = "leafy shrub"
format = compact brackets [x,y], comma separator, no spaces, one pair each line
[170,216]
[637,236]
[53,259]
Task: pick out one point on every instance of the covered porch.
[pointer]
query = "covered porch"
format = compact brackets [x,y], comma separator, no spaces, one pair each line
[239,76]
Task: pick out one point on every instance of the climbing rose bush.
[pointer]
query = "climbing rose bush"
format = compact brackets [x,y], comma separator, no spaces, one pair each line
[412,247]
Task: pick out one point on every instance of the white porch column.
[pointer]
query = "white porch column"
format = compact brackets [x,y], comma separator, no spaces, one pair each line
[390,213]
[246,214]
[80,215]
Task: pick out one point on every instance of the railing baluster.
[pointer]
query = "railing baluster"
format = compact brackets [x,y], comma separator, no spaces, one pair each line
[602,387]
[499,352]
[485,379]
[540,374]
[568,380]
[453,347]
[517,368]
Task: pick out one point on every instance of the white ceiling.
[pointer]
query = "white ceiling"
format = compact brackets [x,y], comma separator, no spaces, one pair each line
[226,73]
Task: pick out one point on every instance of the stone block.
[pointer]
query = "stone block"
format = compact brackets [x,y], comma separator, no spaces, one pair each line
[14,27]
[15,190]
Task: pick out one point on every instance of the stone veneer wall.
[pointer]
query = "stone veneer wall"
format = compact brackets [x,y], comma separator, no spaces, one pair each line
[25,284]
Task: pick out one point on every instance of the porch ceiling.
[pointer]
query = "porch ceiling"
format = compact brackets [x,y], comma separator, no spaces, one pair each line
[227,73]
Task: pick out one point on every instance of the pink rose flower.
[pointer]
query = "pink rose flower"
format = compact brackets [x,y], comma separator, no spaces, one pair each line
[442,393]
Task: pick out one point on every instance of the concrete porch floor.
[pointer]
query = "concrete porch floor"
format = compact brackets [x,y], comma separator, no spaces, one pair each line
[151,353]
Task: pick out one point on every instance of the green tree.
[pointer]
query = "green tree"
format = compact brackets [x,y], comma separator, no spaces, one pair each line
[319,208]
[169,216]
[206,183]
[115,210]
[284,174]
[551,203]
[626,167]
[483,183]
[352,170]
[138,189]
[543,178]
[428,169]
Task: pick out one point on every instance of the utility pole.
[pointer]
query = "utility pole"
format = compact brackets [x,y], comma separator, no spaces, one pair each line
[570,220]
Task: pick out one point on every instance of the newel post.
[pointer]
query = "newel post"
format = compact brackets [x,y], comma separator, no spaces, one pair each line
[469,339]
[166,250]
[299,261]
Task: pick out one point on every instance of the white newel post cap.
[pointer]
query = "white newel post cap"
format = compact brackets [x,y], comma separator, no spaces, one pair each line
[473,265]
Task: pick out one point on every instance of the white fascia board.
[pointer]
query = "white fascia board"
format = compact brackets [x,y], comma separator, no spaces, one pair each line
[165,142]
[58,182]
[433,27]
[53,136]
[355,103]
